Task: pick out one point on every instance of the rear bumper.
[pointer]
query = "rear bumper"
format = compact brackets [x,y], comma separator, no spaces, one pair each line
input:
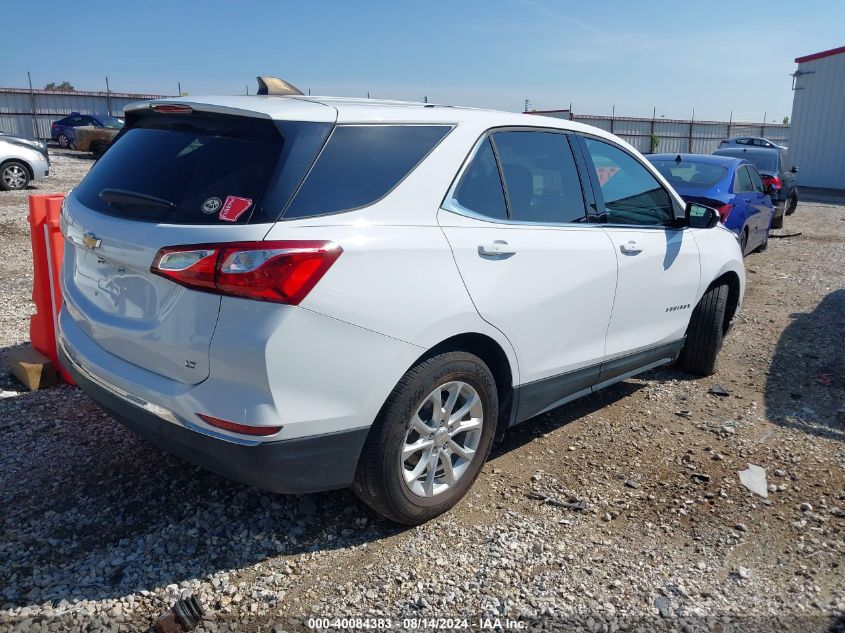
[294,466]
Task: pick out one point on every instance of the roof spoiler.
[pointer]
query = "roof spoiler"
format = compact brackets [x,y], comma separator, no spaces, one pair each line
[274,86]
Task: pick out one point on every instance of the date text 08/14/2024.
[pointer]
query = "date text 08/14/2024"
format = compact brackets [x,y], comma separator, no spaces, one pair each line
[417,624]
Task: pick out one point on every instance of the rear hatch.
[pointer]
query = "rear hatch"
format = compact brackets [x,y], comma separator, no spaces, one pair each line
[176,176]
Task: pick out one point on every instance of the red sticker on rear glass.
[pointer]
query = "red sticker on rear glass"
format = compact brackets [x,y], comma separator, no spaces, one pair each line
[234,208]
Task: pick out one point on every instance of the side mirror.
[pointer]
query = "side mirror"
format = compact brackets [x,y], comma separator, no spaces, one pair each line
[794,169]
[700,217]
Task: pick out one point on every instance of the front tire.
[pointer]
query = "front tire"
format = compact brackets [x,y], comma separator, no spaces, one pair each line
[63,140]
[705,333]
[430,439]
[14,176]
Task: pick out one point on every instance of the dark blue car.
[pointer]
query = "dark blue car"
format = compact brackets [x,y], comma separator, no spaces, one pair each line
[61,131]
[732,186]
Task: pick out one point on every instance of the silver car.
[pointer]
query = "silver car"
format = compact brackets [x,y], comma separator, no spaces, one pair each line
[22,161]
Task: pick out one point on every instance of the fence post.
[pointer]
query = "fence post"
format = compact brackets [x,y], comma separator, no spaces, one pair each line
[651,147]
[691,121]
[32,106]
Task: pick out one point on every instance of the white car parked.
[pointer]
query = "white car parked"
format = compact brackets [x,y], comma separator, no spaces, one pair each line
[308,293]
[22,161]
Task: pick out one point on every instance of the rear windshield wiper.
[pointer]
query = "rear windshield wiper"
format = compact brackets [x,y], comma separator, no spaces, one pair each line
[122,196]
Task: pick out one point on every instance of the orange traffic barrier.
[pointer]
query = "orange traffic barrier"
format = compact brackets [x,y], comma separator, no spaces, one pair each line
[47,252]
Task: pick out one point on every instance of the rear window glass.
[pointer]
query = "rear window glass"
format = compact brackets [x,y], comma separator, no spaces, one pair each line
[765,162]
[202,168]
[690,174]
[362,163]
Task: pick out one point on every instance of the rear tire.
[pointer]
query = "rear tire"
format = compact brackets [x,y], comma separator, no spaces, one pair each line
[393,478]
[63,140]
[777,221]
[705,333]
[743,241]
[764,245]
[791,203]
[14,176]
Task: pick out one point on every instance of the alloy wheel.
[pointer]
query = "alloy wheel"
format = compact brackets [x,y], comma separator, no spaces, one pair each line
[14,177]
[442,439]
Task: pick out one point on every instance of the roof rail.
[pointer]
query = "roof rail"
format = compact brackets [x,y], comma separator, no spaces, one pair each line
[274,86]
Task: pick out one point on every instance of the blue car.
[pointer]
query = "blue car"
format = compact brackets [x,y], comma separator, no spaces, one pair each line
[732,186]
[61,131]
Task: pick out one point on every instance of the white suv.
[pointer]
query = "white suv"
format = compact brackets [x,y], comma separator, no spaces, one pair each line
[307,293]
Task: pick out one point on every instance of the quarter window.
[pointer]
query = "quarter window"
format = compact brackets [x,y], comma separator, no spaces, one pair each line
[632,195]
[541,179]
[362,163]
[480,188]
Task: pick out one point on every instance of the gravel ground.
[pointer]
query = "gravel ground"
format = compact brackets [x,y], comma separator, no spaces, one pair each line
[620,511]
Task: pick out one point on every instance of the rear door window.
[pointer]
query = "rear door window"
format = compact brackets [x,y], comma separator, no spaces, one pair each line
[541,179]
[361,164]
[756,181]
[202,168]
[743,180]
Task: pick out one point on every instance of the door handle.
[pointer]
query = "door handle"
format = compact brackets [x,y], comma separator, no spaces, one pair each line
[498,247]
[631,248]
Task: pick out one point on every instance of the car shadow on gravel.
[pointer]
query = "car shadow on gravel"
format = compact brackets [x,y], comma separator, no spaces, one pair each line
[561,416]
[805,387]
[91,511]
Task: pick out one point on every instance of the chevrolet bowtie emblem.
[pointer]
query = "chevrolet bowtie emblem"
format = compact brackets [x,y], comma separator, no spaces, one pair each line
[89,240]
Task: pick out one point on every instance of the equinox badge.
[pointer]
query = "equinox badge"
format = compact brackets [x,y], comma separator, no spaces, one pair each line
[89,240]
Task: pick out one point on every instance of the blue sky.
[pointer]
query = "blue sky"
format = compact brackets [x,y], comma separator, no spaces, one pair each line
[675,56]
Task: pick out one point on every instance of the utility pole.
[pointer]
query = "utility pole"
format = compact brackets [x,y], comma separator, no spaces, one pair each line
[425,99]
[527,105]
[108,96]
[179,87]
[612,117]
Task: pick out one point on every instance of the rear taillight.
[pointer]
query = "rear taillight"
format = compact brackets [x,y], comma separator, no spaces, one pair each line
[775,182]
[724,212]
[244,429]
[276,271]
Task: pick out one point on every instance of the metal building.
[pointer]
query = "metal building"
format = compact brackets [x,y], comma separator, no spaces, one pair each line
[817,146]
